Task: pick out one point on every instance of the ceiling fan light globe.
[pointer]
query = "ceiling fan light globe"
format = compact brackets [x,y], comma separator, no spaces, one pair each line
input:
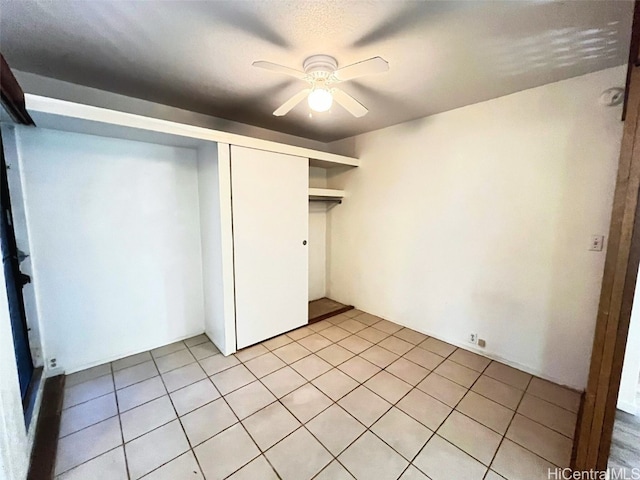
[320,100]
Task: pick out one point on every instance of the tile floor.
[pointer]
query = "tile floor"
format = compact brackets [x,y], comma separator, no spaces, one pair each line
[354,396]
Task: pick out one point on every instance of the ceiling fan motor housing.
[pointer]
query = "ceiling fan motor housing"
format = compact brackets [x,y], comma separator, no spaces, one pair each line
[320,67]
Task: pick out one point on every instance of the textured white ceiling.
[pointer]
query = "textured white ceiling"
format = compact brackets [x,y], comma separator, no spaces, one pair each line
[197,55]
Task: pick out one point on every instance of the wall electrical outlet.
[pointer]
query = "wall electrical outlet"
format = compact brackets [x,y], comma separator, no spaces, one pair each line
[597,243]
[473,338]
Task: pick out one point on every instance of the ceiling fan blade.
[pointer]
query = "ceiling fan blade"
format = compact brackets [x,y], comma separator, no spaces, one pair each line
[292,102]
[366,67]
[274,67]
[349,103]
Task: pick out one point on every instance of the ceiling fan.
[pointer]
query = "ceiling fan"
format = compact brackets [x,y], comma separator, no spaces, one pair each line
[321,73]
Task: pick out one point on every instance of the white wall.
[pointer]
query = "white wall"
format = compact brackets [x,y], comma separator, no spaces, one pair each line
[478,220]
[629,383]
[115,235]
[217,250]
[317,237]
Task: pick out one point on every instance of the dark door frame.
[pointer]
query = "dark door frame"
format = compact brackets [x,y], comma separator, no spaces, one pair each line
[595,427]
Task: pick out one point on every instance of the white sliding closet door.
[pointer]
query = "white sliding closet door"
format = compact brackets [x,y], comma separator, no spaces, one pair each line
[269,193]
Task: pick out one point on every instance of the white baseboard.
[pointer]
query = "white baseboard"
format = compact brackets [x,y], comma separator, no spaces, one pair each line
[629,407]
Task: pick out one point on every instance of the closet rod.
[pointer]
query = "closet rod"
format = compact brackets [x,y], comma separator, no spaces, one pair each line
[336,200]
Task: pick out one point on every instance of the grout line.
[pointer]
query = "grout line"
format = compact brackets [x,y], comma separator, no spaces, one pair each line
[124,451]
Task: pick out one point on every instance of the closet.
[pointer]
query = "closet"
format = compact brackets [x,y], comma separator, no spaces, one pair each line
[245,251]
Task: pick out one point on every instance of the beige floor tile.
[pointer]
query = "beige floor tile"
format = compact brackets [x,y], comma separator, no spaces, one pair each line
[412,473]
[335,384]
[379,356]
[443,389]
[277,342]
[410,372]
[486,411]
[138,373]
[367,319]
[88,374]
[335,333]
[299,456]
[364,405]
[207,421]
[108,466]
[491,475]
[225,453]
[87,414]
[438,347]
[270,425]
[424,358]
[247,354]
[174,360]
[306,402]
[355,344]
[283,381]
[410,336]
[541,440]
[354,312]
[140,393]
[369,457]
[516,463]
[427,410]
[396,345]
[335,354]
[552,393]
[291,352]
[257,469]
[338,319]
[508,375]
[311,367]
[197,340]
[183,376]
[387,326]
[359,369]
[373,335]
[334,471]
[86,444]
[335,429]
[204,350]
[404,434]
[300,333]
[461,375]
[498,392]
[468,435]
[167,349]
[218,363]
[143,419]
[440,460]
[194,396]
[352,325]
[470,360]
[321,325]
[264,364]
[183,467]
[232,379]
[249,399]
[388,386]
[131,361]
[156,448]
[549,415]
[88,390]
[314,342]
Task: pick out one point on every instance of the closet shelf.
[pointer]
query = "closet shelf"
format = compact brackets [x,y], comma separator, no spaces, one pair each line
[325,195]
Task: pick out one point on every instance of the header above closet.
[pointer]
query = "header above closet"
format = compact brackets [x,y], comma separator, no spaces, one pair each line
[75,117]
